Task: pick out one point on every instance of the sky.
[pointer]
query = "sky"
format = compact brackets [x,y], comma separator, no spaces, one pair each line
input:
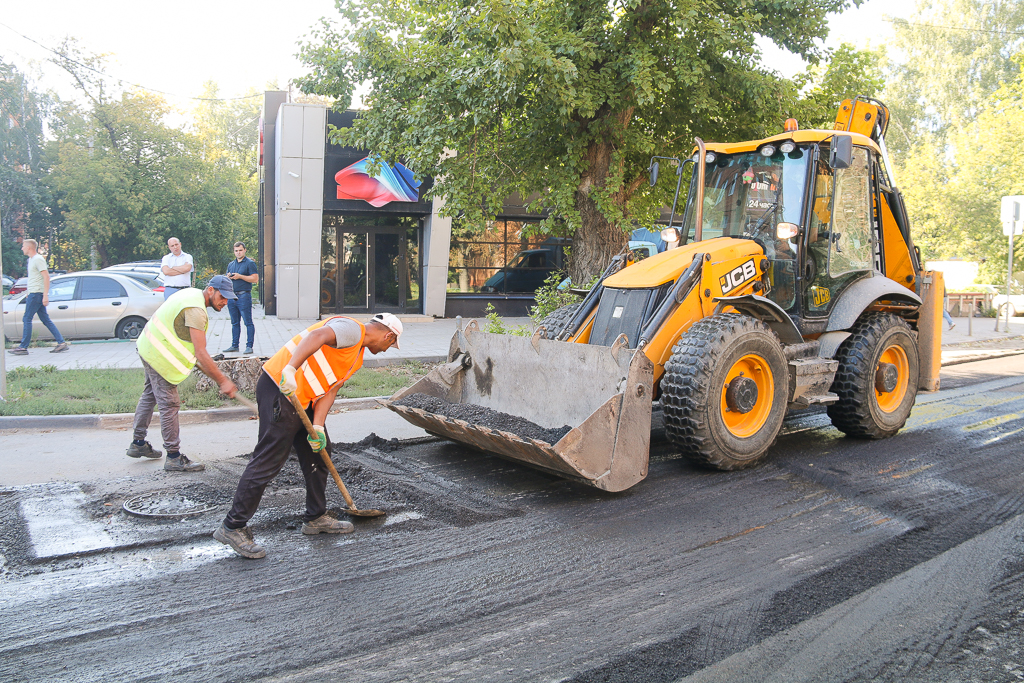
[175,47]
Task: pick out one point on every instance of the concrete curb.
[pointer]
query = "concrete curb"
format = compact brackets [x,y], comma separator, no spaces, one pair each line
[185,417]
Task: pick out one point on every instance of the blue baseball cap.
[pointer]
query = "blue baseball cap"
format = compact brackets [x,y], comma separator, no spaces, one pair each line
[223,285]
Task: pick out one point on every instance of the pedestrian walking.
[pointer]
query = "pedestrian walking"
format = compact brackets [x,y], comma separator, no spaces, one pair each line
[177,268]
[37,300]
[945,309]
[328,353]
[170,345]
[243,274]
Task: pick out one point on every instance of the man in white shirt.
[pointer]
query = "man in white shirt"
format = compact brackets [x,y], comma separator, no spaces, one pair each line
[176,267]
[37,299]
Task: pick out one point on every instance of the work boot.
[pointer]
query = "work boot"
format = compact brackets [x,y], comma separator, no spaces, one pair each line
[248,350]
[230,349]
[326,525]
[182,464]
[18,351]
[63,346]
[145,450]
[241,540]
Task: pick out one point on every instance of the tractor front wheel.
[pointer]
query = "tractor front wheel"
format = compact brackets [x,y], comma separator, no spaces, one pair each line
[725,391]
[877,378]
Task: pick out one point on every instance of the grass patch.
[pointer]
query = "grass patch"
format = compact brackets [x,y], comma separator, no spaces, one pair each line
[45,390]
[384,380]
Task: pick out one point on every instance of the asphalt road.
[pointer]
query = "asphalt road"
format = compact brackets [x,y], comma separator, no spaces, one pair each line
[836,560]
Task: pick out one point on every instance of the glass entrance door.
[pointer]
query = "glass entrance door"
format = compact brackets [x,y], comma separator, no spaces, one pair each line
[355,271]
[376,267]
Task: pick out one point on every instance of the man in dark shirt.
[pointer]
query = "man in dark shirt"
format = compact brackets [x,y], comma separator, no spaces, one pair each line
[244,275]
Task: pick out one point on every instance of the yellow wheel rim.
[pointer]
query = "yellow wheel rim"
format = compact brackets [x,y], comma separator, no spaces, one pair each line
[891,400]
[755,368]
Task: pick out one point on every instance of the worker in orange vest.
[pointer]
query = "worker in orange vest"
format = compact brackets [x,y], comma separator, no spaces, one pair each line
[312,367]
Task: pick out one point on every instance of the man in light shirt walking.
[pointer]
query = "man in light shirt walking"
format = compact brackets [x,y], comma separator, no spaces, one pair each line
[176,267]
[37,300]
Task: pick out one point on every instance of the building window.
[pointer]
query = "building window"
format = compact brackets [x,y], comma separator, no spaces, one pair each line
[502,258]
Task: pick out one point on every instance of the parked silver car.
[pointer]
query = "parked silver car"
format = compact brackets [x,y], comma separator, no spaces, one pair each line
[89,304]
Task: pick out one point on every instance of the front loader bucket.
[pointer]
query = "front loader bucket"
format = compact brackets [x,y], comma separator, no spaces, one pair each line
[602,393]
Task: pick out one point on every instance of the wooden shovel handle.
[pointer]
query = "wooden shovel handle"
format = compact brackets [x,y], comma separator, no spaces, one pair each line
[323,453]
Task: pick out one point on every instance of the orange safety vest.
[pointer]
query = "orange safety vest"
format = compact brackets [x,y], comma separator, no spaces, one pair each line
[327,368]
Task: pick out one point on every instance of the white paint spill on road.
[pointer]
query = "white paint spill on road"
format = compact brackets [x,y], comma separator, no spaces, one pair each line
[58,525]
[400,517]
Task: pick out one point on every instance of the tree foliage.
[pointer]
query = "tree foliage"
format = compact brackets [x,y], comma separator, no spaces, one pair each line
[952,56]
[128,181]
[562,103]
[956,99]
[26,205]
[954,198]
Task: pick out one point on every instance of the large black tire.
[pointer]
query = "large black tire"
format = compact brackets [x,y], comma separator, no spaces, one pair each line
[130,327]
[867,407]
[558,319]
[699,391]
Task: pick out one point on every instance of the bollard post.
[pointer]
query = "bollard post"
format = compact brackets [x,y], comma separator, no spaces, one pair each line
[970,319]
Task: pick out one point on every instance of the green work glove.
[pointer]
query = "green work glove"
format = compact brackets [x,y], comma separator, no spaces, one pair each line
[288,384]
[320,442]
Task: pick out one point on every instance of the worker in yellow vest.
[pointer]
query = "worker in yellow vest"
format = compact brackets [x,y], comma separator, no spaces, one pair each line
[170,345]
[312,367]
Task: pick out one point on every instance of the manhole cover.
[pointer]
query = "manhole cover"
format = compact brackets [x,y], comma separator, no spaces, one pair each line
[167,504]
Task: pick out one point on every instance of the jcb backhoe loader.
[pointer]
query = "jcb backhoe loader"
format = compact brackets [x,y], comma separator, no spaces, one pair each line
[793,282]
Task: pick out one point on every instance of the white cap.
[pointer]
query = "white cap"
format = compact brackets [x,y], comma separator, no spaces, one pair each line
[392,322]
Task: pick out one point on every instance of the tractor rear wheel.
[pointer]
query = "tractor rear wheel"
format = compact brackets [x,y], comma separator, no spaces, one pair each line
[558,319]
[877,378]
[725,391]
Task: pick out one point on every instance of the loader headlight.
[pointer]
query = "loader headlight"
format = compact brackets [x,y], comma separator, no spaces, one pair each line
[767,150]
[709,157]
[787,146]
[670,234]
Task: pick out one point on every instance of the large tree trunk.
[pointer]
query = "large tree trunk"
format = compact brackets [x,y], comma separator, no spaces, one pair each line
[597,239]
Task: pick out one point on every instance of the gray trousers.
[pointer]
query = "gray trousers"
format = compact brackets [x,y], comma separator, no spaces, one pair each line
[158,392]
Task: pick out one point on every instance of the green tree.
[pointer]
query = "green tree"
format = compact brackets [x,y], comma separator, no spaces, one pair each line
[560,102]
[228,131]
[953,192]
[128,181]
[846,72]
[26,205]
[952,56]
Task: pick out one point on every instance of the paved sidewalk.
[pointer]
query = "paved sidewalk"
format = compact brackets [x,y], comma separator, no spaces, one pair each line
[424,339]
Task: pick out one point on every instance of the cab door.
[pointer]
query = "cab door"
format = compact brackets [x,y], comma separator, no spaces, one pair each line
[840,249]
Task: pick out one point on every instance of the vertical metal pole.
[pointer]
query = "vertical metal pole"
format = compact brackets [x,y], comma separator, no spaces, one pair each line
[1009,276]
[3,352]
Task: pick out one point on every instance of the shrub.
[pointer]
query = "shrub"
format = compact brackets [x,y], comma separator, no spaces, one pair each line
[495,325]
[550,298]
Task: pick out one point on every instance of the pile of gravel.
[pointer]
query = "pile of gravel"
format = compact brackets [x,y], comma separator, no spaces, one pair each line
[485,417]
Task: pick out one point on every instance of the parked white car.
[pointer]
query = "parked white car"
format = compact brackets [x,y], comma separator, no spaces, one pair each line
[88,305]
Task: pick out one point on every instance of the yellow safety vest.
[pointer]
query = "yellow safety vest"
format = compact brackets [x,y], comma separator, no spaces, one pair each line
[161,347]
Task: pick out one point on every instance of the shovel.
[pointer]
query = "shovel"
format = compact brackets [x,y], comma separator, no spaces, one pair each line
[330,466]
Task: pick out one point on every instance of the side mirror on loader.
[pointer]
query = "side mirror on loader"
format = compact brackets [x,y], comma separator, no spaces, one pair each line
[653,170]
[841,155]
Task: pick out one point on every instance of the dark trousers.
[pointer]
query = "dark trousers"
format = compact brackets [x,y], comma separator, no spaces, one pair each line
[241,309]
[280,429]
[33,307]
